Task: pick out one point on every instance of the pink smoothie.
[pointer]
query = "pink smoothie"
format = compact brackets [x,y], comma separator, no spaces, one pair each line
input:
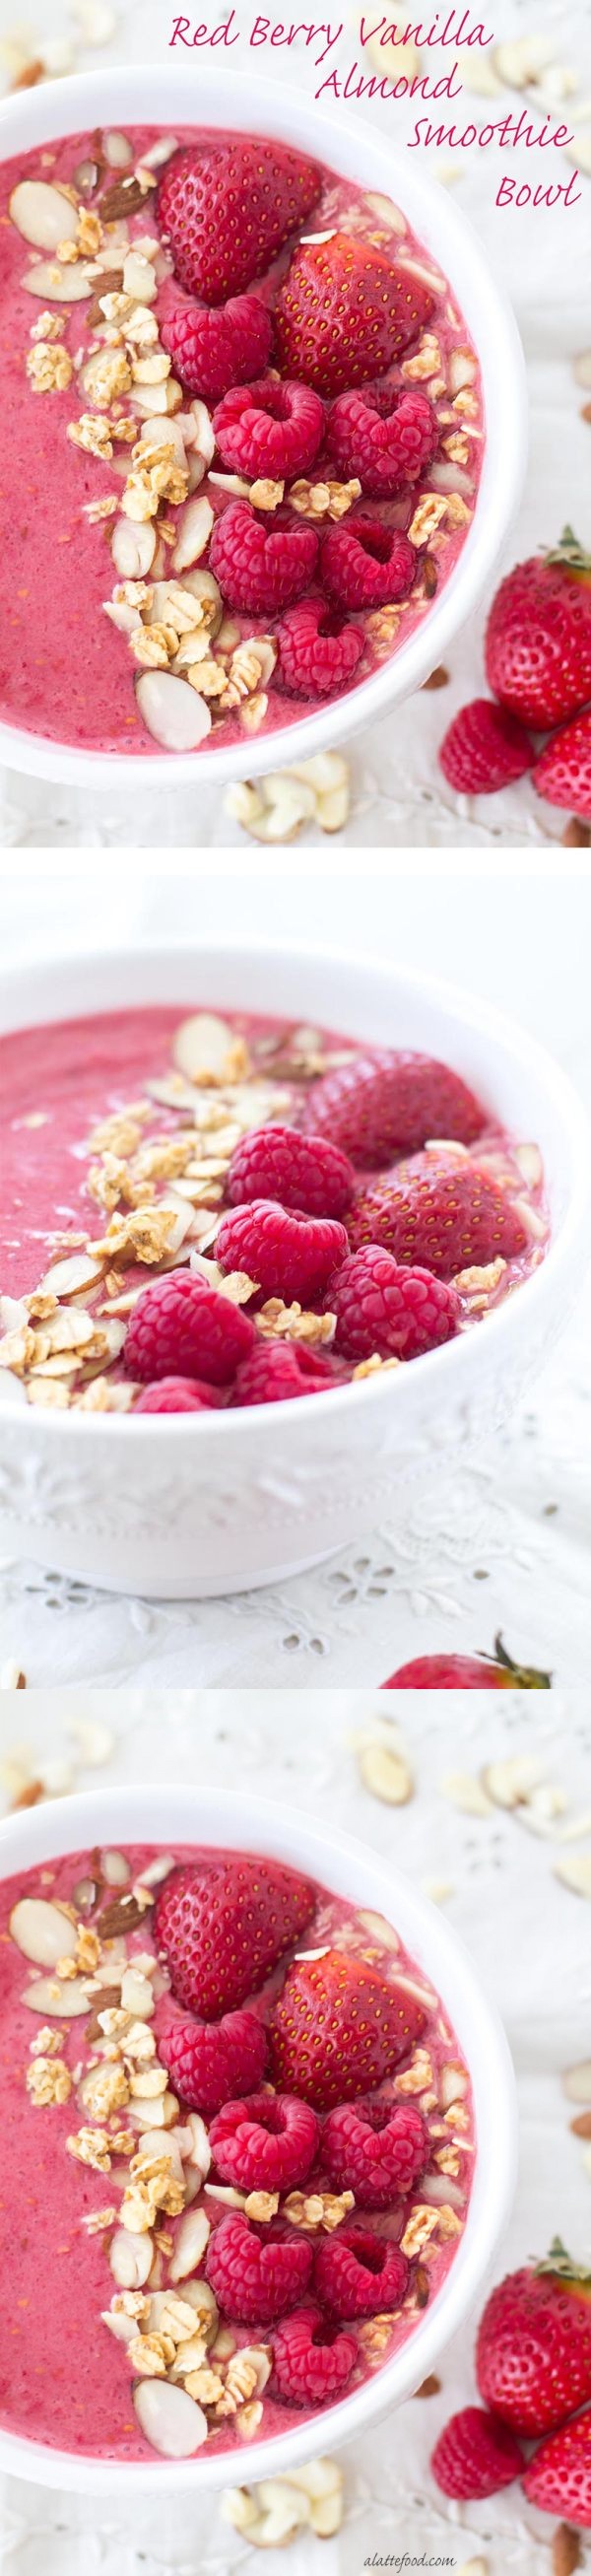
[64,2379]
[66,671]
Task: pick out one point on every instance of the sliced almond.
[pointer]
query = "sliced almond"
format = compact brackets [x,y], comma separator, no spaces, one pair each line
[509,1783]
[191,2239]
[577,2082]
[168,2419]
[194,531]
[139,278]
[466,1793]
[385,212]
[204,431]
[66,1278]
[380,1930]
[161,432]
[42,1932]
[530,1164]
[174,714]
[55,285]
[203,1045]
[137,1995]
[62,1999]
[386,1775]
[199,2151]
[130,2258]
[574,1871]
[133,547]
[42,215]
[118,151]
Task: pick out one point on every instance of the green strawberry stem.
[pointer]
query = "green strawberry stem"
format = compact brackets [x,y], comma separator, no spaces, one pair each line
[519,1676]
[561,2264]
[570,555]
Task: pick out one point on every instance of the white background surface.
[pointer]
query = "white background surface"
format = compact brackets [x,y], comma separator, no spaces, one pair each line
[528,1937]
[541,256]
[507,1543]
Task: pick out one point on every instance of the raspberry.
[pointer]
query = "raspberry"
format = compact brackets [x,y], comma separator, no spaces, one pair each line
[228,207]
[267,2143]
[318,652]
[181,1328]
[384,448]
[311,2363]
[301,1171]
[224,1925]
[289,1254]
[260,569]
[396,1312]
[344,312]
[256,2276]
[439,1212]
[375,2150]
[388,1102]
[269,428]
[212,349]
[278,1371]
[484,749]
[176,1395]
[363,564]
[357,2274]
[208,2061]
[475,2455]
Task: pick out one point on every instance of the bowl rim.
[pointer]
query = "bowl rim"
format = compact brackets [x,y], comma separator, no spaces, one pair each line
[58,1827]
[296,119]
[391,1387]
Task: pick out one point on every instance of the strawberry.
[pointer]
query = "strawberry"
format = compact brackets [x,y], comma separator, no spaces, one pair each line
[468,1672]
[344,312]
[563,771]
[440,1212]
[338,2028]
[558,2480]
[538,638]
[224,1925]
[228,209]
[533,2355]
[475,2455]
[388,1101]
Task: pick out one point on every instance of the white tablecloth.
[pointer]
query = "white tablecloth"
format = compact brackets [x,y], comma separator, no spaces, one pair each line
[503,1543]
[529,1939]
[541,255]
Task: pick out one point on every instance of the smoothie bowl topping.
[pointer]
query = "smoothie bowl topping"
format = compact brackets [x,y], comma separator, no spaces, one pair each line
[240,2114]
[262,436]
[221,1212]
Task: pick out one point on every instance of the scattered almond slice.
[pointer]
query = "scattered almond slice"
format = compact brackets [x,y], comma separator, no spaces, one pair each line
[509,1783]
[574,1871]
[174,714]
[130,2258]
[133,547]
[194,531]
[170,2420]
[577,2082]
[41,1932]
[386,1775]
[466,1793]
[55,285]
[42,214]
[62,2000]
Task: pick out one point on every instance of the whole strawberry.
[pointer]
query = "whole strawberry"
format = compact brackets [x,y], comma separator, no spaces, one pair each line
[563,771]
[475,2455]
[441,1213]
[468,1672]
[344,312]
[223,1926]
[228,208]
[389,1101]
[338,2028]
[533,2355]
[558,2480]
[538,638]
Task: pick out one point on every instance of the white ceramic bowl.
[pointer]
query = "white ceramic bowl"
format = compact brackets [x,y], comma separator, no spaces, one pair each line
[178,1506]
[169,93]
[246,1822]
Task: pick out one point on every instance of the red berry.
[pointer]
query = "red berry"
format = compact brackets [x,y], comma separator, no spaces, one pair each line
[177,1395]
[475,2455]
[338,2028]
[363,563]
[563,771]
[318,653]
[267,2143]
[209,2061]
[397,1312]
[260,568]
[344,312]
[533,2354]
[312,2364]
[182,1328]
[227,209]
[538,638]
[287,1253]
[389,1101]
[558,2479]
[484,749]
[256,2276]
[376,2150]
[468,1672]
[439,1211]
[269,428]
[384,447]
[279,1371]
[223,1926]
[301,1171]
[212,349]
[358,2274]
